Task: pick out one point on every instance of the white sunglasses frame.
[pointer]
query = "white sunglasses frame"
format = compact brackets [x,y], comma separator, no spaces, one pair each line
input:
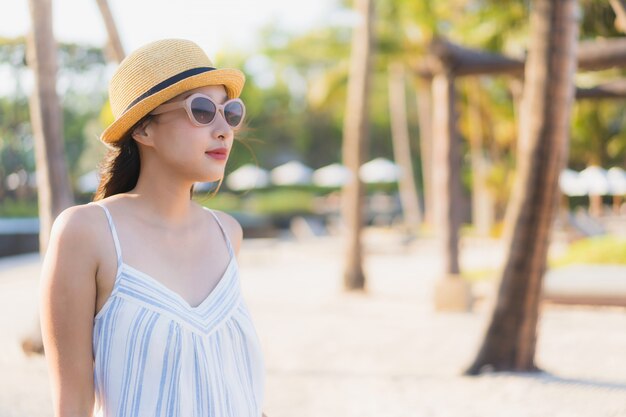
[186,104]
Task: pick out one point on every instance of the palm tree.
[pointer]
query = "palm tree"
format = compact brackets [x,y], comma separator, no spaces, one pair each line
[355,133]
[115,44]
[402,148]
[482,199]
[53,184]
[510,340]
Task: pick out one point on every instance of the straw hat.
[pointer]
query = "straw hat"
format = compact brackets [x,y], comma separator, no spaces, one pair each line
[157,72]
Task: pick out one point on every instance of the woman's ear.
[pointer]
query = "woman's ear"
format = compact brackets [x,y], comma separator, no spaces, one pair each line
[141,134]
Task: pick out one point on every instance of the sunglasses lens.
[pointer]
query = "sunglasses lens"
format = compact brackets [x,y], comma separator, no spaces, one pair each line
[203,110]
[233,112]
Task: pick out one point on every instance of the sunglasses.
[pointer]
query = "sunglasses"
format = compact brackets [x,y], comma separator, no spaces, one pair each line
[202,110]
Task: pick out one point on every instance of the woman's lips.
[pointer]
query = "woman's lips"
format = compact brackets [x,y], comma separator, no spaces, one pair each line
[219,154]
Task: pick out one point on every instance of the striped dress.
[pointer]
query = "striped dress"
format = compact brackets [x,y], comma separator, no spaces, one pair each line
[156,355]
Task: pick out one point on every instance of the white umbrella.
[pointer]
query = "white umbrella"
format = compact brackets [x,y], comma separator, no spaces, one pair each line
[596,180]
[617,180]
[88,183]
[572,184]
[247,177]
[379,170]
[200,187]
[333,175]
[291,173]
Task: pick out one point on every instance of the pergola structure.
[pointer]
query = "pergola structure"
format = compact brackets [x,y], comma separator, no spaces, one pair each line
[442,66]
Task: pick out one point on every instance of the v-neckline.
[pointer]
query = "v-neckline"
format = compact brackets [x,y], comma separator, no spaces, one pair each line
[173,293]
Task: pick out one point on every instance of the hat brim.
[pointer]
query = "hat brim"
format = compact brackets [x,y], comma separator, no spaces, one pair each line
[232,79]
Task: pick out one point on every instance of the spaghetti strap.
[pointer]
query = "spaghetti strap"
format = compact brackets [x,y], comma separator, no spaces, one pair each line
[228,244]
[118,250]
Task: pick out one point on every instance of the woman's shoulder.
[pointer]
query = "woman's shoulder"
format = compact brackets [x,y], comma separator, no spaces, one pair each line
[78,226]
[231,226]
[78,219]
[73,241]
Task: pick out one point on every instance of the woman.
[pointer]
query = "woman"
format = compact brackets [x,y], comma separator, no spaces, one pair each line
[141,309]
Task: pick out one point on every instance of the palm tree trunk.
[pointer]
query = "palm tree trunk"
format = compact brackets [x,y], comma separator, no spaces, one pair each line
[355,133]
[424,115]
[510,340]
[482,199]
[115,47]
[53,184]
[402,148]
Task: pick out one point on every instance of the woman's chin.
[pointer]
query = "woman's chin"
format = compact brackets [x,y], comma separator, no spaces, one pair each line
[215,177]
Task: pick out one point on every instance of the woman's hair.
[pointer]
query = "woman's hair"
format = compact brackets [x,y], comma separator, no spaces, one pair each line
[119,170]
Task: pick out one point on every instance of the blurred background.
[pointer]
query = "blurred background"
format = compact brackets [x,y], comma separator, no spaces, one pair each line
[397,197]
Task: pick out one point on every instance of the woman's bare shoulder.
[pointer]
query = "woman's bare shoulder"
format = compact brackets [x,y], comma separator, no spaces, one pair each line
[232,226]
[78,221]
[72,256]
[76,229]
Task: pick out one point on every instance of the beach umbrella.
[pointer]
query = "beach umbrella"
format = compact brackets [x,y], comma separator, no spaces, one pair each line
[247,177]
[333,175]
[596,180]
[572,184]
[379,170]
[200,187]
[291,173]
[617,180]
[88,183]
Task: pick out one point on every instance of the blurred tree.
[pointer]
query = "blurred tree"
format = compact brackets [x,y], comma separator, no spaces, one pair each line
[355,135]
[53,184]
[402,148]
[312,70]
[115,48]
[82,87]
[510,340]
[16,141]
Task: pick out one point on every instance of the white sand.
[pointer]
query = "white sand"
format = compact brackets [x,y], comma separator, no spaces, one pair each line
[383,353]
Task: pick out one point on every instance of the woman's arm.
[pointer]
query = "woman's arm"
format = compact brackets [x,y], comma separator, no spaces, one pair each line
[67,304]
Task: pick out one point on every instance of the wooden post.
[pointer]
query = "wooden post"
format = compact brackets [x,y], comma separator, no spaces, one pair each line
[451,292]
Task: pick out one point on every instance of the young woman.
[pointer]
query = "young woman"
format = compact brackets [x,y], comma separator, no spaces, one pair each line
[141,309]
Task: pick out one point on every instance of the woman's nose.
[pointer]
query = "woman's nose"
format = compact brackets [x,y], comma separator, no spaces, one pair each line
[221,129]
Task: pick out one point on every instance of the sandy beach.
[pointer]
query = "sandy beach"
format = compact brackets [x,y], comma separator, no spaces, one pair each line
[384,352]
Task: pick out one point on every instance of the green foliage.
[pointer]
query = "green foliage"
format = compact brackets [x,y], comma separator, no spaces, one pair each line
[598,134]
[11,207]
[81,105]
[597,19]
[71,57]
[477,275]
[16,141]
[224,201]
[281,201]
[595,250]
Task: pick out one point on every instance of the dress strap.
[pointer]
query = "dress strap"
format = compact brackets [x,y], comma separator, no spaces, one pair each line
[228,244]
[118,250]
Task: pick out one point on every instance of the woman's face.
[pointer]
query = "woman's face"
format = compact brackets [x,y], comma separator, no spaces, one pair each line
[197,153]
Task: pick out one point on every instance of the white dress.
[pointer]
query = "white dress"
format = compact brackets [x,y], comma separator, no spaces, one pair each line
[155,355]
